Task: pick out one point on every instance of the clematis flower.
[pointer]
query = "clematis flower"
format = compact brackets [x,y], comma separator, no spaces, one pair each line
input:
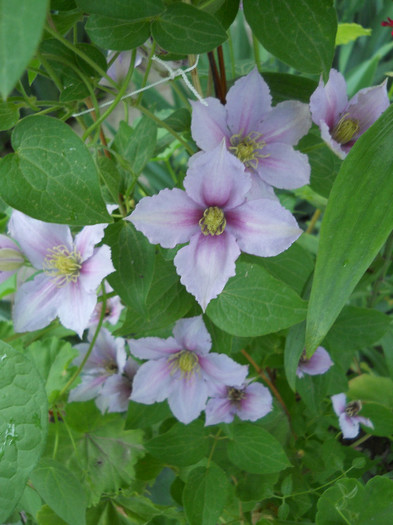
[318,363]
[260,136]
[107,358]
[249,401]
[182,370]
[11,258]
[341,121]
[348,416]
[214,215]
[116,391]
[113,308]
[70,273]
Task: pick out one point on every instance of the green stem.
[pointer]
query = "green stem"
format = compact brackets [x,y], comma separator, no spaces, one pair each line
[232,55]
[216,438]
[146,75]
[168,128]
[56,444]
[50,71]
[90,349]
[26,97]
[257,55]
[118,98]
[312,148]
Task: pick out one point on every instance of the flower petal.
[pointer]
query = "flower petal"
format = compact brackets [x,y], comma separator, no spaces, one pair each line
[37,237]
[248,101]
[36,304]
[95,268]
[76,307]
[260,190]
[284,167]
[328,101]
[153,347]
[349,426]
[256,404]
[319,363]
[188,398]
[89,388]
[152,383]
[340,150]
[168,218]
[115,394]
[365,421]
[208,123]
[191,334]
[368,105]
[219,411]
[87,238]
[339,402]
[287,122]
[217,178]
[206,264]
[221,369]
[262,227]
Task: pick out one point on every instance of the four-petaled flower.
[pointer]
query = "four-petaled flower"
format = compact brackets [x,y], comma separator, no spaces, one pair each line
[182,370]
[318,363]
[213,214]
[348,416]
[260,136]
[249,401]
[341,121]
[71,271]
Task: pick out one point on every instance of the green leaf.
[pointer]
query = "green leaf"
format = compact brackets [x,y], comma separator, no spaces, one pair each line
[133,258]
[46,516]
[166,302]
[9,115]
[51,176]
[284,86]
[205,494]
[20,31]
[372,388]
[381,417]
[294,346]
[137,145]
[301,33]
[357,328]
[184,29]
[116,33]
[124,9]
[224,10]
[182,445]
[324,168]
[354,228]
[348,32]
[254,450]
[58,487]
[255,303]
[23,425]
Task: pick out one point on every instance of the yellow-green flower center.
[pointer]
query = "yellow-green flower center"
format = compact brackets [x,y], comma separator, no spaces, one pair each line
[213,221]
[186,362]
[352,408]
[236,395]
[345,129]
[111,367]
[248,149]
[62,265]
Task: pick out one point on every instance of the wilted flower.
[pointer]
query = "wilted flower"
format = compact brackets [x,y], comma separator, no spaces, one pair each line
[318,363]
[249,401]
[214,216]
[260,136]
[107,358]
[71,271]
[348,416]
[11,258]
[113,308]
[116,390]
[341,121]
[182,370]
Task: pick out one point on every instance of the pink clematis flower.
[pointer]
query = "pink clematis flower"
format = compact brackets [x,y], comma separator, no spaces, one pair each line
[249,401]
[213,214]
[341,121]
[70,273]
[182,370]
[348,416]
[11,258]
[258,135]
[107,359]
[117,389]
[318,363]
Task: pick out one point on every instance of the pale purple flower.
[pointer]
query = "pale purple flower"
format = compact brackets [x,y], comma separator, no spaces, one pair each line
[11,258]
[182,370]
[113,308]
[70,272]
[120,66]
[249,401]
[318,363]
[107,358]
[341,121]
[116,390]
[260,136]
[214,216]
[348,416]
